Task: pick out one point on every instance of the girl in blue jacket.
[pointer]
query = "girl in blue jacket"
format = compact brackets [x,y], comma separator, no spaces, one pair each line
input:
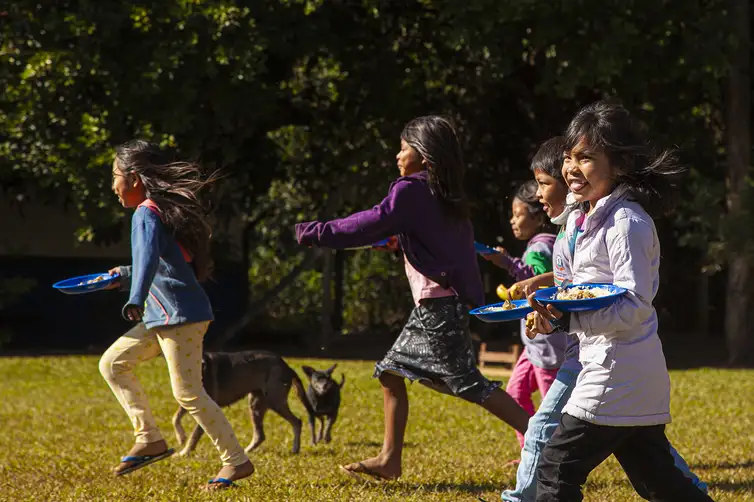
[170,246]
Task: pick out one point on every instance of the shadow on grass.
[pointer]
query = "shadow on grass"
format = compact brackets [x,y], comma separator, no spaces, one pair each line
[314,452]
[375,444]
[470,488]
[606,484]
[733,487]
[725,465]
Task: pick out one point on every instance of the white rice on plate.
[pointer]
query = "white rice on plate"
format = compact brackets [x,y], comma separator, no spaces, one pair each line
[581,293]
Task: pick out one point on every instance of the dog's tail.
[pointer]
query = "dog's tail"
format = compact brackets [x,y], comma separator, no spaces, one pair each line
[302,394]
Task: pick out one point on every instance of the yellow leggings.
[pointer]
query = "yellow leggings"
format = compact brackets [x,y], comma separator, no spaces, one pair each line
[182,347]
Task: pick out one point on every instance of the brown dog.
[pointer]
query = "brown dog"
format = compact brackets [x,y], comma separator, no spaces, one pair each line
[261,375]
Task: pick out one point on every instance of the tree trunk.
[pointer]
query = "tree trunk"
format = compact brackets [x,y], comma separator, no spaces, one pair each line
[739,290]
[328,269]
[248,230]
[246,260]
[339,277]
[703,305]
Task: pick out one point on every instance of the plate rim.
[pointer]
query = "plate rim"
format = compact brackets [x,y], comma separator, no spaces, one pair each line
[546,300]
[107,280]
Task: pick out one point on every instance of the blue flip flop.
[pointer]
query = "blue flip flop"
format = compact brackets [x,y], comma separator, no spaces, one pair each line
[225,482]
[142,461]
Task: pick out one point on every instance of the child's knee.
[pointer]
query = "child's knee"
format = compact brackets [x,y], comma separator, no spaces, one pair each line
[105,367]
[110,366]
[188,396]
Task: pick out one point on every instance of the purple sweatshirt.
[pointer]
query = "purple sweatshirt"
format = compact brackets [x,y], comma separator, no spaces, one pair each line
[440,249]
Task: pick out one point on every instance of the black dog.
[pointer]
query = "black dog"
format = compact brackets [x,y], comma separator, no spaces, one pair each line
[324,397]
[264,377]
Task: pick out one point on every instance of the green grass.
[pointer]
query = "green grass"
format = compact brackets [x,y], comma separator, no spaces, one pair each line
[62,431]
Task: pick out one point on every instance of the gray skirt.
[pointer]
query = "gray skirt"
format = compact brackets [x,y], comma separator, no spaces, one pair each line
[435,349]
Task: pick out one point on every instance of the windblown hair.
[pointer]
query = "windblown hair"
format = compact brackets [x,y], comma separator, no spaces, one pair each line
[435,139]
[175,187]
[549,158]
[648,172]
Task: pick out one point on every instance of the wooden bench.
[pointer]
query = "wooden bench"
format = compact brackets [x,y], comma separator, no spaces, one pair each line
[507,359]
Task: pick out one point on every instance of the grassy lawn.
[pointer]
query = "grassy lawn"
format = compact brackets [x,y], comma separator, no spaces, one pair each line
[62,431]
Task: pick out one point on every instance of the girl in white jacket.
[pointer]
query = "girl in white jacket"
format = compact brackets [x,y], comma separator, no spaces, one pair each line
[621,401]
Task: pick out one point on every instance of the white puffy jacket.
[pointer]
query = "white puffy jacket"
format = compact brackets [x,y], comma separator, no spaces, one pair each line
[624,380]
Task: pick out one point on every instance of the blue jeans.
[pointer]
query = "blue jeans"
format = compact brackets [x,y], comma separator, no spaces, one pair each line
[541,427]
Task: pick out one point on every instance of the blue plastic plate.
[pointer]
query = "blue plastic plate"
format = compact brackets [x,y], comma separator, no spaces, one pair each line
[519,312]
[484,249]
[82,284]
[547,297]
[377,244]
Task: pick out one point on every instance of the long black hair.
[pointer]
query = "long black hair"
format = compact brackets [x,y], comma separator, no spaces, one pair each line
[175,187]
[648,172]
[435,139]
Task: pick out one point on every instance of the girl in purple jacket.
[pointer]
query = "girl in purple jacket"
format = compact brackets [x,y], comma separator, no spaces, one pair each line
[426,208]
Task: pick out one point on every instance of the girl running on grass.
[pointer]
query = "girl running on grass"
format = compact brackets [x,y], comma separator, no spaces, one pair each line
[559,207]
[621,400]
[170,246]
[427,208]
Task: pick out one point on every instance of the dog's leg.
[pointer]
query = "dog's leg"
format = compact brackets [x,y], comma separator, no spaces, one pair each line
[313,427]
[296,381]
[180,434]
[281,408]
[320,434]
[329,421]
[192,440]
[257,409]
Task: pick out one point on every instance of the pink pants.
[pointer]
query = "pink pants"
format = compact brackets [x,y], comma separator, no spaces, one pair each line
[524,381]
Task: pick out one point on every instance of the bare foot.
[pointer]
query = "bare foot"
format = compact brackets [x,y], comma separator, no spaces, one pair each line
[141,449]
[231,473]
[379,467]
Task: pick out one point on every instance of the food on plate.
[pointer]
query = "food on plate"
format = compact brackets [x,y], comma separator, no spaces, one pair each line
[581,293]
[92,281]
[507,305]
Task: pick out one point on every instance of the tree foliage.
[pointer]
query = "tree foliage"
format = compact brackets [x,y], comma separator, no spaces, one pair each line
[301,103]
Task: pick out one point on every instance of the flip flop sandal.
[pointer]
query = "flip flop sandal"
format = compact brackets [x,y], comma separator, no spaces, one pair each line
[375,477]
[219,484]
[142,461]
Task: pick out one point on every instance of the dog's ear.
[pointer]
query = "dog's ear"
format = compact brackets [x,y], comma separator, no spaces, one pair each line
[342,380]
[330,369]
[308,371]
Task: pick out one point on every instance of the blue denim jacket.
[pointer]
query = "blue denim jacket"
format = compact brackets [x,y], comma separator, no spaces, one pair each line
[160,279]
